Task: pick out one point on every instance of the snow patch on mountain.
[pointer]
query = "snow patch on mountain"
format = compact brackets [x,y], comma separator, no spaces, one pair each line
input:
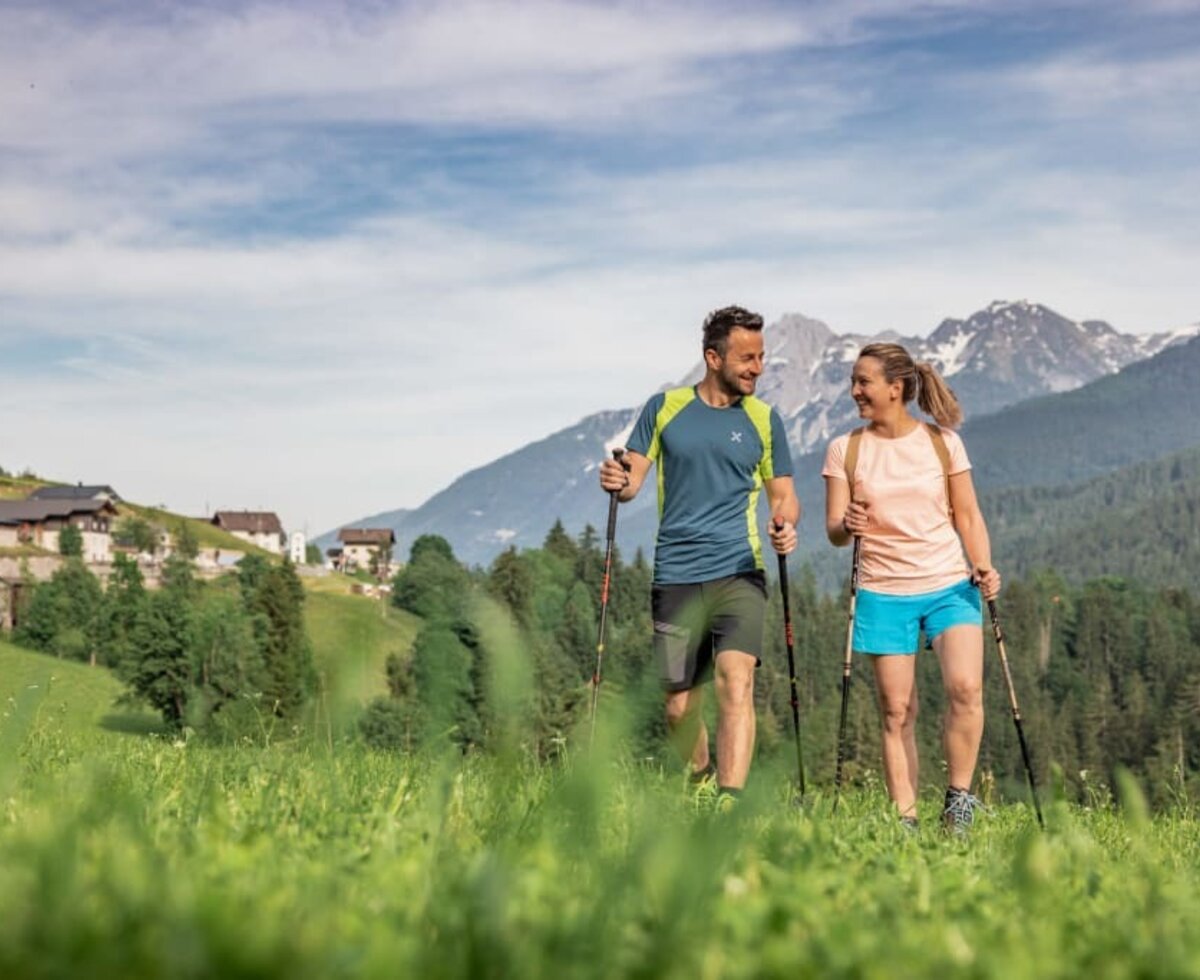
[950,355]
[621,437]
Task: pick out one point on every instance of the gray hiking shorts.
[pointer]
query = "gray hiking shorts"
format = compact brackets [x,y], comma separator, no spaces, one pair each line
[696,621]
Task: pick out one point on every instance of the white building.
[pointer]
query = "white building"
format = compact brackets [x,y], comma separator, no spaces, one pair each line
[260,528]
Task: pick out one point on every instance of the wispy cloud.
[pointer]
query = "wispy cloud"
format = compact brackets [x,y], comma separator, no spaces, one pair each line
[261,244]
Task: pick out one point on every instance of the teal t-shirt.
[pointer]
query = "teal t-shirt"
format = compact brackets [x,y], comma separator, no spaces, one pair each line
[711,464]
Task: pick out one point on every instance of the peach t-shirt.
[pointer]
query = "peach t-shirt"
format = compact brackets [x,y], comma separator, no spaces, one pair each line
[910,545]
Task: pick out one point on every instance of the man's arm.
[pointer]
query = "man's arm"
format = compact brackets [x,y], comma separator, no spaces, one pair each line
[785,506]
[626,476]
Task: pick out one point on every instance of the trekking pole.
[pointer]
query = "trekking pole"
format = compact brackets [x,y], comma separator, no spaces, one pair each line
[790,638]
[1016,711]
[610,537]
[846,666]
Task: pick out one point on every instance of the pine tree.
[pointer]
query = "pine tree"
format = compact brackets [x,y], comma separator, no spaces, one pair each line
[290,674]
[62,614]
[442,669]
[433,585]
[511,581]
[123,599]
[227,666]
[159,668]
[559,544]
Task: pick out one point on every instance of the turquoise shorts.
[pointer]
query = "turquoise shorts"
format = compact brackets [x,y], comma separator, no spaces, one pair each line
[890,624]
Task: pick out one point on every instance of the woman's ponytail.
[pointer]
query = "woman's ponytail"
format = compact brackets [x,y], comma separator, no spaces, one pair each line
[921,381]
[935,397]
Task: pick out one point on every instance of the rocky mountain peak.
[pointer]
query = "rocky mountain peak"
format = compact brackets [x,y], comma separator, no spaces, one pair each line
[996,357]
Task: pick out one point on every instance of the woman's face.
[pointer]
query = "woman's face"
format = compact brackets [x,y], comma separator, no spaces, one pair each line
[870,390]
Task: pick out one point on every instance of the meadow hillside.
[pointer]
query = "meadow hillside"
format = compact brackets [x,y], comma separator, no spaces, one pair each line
[143,856]
[205,534]
[80,699]
[352,637]
[129,851]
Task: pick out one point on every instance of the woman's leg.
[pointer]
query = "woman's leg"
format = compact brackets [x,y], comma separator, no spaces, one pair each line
[960,651]
[896,684]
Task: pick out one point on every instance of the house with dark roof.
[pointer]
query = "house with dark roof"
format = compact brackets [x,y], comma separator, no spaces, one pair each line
[77,492]
[261,528]
[39,523]
[361,545]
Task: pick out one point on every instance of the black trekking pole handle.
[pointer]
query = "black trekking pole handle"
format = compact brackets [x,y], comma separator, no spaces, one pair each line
[614,499]
[789,638]
[847,665]
[998,633]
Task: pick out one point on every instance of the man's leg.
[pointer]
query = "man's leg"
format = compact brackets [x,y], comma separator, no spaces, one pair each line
[683,652]
[685,721]
[896,682]
[739,606]
[735,717]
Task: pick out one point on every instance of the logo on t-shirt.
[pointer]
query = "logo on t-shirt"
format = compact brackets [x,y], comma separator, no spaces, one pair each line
[735,436]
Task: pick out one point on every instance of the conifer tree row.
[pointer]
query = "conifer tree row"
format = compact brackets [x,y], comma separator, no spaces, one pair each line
[222,657]
[1108,671]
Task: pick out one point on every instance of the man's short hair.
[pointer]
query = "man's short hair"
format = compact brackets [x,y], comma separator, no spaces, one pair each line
[719,322]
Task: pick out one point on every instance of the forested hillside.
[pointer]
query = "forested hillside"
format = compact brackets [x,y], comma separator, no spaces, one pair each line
[1108,671]
[1141,523]
[1097,481]
[1142,413]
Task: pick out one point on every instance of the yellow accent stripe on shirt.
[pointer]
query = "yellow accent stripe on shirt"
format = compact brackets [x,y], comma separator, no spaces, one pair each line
[674,402]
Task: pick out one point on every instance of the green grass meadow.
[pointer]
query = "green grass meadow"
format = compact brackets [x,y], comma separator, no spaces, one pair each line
[127,853]
[352,637]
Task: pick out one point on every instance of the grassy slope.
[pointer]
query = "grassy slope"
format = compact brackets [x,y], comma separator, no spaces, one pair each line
[67,695]
[208,535]
[352,637]
[302,860]
[18,488]
[126,856]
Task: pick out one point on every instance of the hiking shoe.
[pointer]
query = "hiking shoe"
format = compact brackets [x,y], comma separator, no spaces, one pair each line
[958,813]
[727,800]
[699,777]
[910,825]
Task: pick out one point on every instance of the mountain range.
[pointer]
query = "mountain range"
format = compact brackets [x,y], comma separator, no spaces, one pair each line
[1003,363]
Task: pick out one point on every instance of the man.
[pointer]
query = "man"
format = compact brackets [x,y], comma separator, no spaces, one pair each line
[716,447]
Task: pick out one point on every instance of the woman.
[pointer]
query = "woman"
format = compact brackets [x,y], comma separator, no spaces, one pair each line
[910,498]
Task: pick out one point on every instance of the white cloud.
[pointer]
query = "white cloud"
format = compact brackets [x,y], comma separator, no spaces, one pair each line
[1089,83]
[346,370]
[120,87]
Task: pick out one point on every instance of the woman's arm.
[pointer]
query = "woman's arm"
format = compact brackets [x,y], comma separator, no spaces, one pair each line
[838,511]
[968,521]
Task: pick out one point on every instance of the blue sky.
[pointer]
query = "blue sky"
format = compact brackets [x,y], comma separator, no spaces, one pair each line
[322,259]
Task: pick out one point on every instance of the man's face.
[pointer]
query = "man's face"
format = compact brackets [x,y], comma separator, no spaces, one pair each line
[739,369]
